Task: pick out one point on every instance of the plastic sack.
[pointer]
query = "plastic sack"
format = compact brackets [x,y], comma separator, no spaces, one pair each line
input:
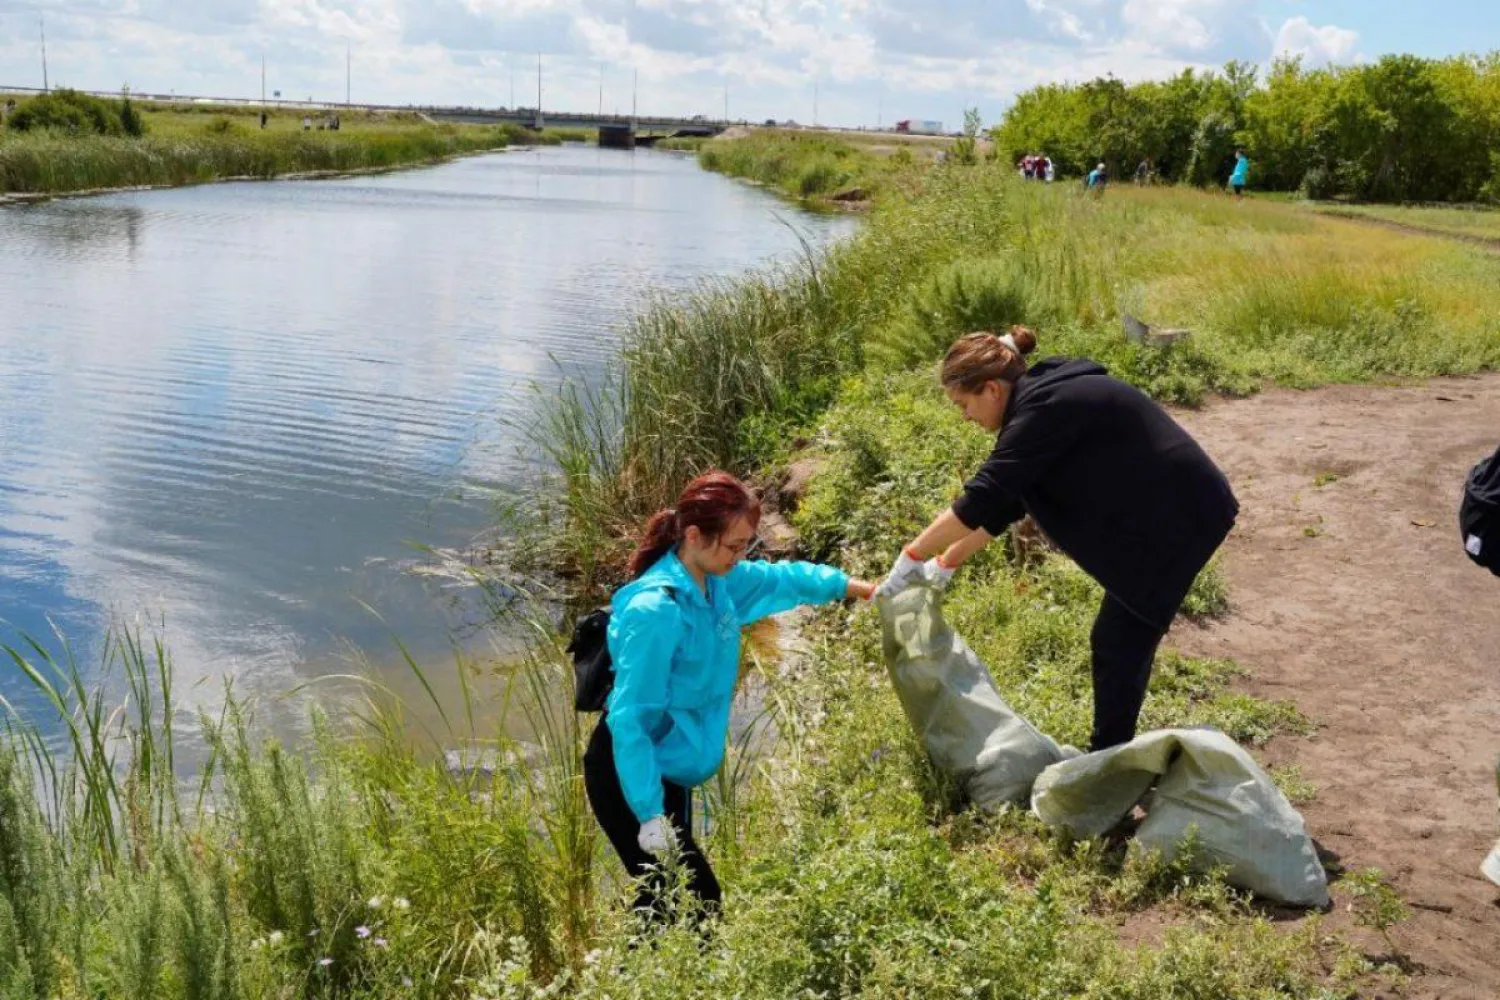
[1208,782]
[967,729]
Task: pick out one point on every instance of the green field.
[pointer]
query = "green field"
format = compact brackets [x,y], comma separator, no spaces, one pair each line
[1477,221]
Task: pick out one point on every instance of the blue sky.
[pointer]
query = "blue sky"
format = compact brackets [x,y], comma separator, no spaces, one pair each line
[866,61]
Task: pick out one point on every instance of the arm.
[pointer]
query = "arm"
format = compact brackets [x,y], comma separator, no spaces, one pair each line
[760,589]
[642,639]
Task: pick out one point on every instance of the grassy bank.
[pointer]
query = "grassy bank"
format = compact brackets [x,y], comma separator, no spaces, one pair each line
[814,167]
[363,869]
[188,147]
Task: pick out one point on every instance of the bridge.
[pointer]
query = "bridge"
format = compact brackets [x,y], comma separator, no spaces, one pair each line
[624,131]
[640,129]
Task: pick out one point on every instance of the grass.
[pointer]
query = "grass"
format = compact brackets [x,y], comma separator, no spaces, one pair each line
[362,868]
[810,167]
[186,147]
[1473,221]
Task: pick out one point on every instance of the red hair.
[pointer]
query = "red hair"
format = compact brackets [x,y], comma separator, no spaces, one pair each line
[710,503]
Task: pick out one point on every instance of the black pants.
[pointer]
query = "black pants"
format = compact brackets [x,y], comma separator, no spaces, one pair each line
[1124,648]
[602,781]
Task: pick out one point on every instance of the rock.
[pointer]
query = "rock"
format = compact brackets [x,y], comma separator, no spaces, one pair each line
[799,475]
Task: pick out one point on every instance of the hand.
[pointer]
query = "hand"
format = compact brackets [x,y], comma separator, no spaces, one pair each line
[860,590]
[902,574]
[657,836]
[935,574]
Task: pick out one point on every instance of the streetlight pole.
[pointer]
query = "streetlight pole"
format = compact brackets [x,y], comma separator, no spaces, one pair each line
[600,112]
[538,90]
[348,72]
[42,23]
[815,102]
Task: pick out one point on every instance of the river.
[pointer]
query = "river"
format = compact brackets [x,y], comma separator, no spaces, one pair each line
[237,414]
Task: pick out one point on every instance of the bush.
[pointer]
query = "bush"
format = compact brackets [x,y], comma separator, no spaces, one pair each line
[75,113]
[968,294]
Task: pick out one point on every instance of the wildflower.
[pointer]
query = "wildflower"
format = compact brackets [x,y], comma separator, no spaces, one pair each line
[375,903]
[406,981]
[275,938]
[381,943]
[401,903]
[313,933]
[592,957]
[361,932]
[258,943]
[325,962]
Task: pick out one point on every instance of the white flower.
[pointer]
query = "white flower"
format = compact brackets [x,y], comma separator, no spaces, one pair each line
[592,957]
[401,903]
[258,943]
[276,938]
[361,932]
[381,943]
[406,981]
[375,903]
[325,962]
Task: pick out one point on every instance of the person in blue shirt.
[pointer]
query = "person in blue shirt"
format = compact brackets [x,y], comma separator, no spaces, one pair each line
[674,638]
[1241,175]
[1097,179]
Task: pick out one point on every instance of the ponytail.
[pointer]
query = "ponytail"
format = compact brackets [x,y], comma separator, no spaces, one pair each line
[710,503]
[977,358]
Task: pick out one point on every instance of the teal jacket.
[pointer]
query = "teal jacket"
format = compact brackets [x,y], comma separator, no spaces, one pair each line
[1241,173]
[677,654]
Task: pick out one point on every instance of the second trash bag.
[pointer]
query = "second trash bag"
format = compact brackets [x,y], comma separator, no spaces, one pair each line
[967,729]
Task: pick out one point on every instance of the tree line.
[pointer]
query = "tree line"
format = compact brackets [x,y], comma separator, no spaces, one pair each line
[1400,129]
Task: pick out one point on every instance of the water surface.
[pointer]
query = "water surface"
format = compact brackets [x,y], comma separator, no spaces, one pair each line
[240,409]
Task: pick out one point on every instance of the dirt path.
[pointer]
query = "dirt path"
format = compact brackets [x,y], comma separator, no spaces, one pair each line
[1354,600]
[1490,243]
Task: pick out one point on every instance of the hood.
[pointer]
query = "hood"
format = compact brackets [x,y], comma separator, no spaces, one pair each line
[1048,373]
[667,571]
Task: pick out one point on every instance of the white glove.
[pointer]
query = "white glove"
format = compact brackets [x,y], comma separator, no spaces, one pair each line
[657,836]
[902,575]
[935,574]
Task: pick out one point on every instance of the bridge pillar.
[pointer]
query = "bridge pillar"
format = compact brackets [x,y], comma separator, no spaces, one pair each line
[616,137]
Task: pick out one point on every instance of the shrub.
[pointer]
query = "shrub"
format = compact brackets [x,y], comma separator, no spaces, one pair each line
[71,112]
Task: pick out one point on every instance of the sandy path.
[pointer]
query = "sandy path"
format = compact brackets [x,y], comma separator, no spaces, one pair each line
[1381,630]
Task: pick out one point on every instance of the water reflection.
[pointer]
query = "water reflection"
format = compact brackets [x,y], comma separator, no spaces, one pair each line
[240,409]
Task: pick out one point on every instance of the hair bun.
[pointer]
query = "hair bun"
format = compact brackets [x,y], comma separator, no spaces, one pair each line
[1024,338]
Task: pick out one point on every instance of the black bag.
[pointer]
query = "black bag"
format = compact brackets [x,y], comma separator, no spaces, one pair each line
[593,668]
[1479,515]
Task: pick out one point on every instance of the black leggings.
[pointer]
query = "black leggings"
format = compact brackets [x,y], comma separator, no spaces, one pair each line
[602,781]
[1124,648]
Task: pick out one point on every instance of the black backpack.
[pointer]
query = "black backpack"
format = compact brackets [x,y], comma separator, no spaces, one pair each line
[593,668]
[1479,515]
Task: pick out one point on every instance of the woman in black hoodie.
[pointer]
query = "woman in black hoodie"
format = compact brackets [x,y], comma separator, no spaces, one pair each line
[1113,480]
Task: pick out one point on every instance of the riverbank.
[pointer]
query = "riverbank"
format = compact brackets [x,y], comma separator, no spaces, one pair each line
[850,869]
[187,147]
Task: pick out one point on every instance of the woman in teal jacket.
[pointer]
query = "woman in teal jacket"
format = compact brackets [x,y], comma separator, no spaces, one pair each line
[674,637]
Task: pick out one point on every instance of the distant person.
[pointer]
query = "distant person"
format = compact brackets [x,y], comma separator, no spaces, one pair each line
[307,123]
[674,638]
[1097,179]
[1050,170]
[263,117]
[1241,175]
[1143,172]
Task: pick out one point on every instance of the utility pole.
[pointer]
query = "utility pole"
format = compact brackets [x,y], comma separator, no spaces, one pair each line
[348,71]
[512,84]
[42,23]
[263,80]
[815,102]
[726,100]
[635,81]
[538,90]
[600,112]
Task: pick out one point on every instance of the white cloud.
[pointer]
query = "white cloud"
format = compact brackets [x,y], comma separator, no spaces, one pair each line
[1316,45]
[899,58]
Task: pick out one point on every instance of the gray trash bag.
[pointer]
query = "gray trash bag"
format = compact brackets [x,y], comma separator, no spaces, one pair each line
[967,729]
[1208,781]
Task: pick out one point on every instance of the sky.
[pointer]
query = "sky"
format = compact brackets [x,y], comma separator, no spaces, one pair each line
[836,62]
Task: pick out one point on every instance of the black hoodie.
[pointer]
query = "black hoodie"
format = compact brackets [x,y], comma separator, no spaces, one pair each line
[1111,478]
